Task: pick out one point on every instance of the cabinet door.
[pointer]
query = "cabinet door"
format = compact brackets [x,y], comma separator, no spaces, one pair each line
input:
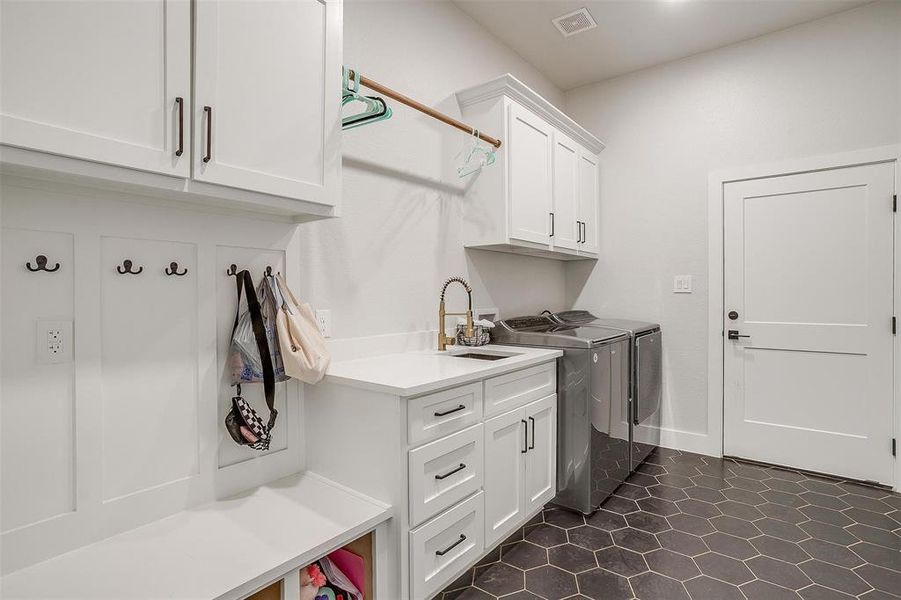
[566,198]
[505,445]
[97,80]
[589,201]
[267,87]
[529,172]
[541,458]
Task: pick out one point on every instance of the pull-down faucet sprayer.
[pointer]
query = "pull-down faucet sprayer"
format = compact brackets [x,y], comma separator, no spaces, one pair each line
[445,340]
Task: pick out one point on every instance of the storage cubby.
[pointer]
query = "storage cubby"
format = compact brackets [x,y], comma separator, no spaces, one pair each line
[361,546]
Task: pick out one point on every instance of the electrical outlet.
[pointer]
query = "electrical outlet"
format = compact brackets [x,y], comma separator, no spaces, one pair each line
[324,320]
[53,342]
[682,284]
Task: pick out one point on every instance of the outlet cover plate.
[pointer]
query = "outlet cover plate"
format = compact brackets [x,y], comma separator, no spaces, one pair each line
[324,320]
[53,342]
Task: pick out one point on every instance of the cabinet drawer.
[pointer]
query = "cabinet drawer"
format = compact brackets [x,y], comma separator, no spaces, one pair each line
[430,417]
[445,545]
[444,472]
[512,390]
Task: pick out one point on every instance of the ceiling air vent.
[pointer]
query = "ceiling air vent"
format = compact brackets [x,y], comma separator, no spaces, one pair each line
[575,22]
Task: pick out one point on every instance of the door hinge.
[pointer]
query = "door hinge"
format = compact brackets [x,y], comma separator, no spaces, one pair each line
[894,447]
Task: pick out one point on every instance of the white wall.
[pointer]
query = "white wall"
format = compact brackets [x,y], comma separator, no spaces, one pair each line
[130,430]
[379,268]
[828,86]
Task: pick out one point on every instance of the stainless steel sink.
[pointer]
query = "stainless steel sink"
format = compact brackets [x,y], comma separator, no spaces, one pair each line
[481,355]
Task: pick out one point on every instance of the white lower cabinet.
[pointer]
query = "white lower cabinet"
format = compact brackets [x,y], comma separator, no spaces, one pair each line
[445,545]
[463,466]
[520,465]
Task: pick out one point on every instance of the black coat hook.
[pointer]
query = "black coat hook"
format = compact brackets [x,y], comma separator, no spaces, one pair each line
[232,270]
[268,271]
[41,261]
[127,268]
[173,269]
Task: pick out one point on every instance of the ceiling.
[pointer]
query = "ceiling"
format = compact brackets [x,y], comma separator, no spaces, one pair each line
[634,34]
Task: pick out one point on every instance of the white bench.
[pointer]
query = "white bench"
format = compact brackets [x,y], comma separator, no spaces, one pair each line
[226,549]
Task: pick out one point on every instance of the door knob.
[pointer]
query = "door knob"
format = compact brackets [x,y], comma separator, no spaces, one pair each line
[734,335]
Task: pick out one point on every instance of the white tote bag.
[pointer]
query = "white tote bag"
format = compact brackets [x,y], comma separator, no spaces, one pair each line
[304,351]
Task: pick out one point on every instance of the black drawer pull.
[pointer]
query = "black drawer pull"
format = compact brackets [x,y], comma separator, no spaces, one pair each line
[532,445]
[525,437]
[209,133]
[452,546]
[181,126]
[451,411]
[449,473]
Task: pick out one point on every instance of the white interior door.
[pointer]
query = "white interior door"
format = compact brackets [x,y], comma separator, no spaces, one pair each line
[566,198]
[98,80]
[808,263]
[541,458]
[531,194]
[505,444]
[267,93]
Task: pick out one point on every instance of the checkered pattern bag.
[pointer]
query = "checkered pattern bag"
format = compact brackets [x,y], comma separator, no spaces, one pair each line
[242,422]
[245,425]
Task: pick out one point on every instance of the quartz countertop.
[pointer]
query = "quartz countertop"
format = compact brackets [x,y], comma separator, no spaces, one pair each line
[223,550]
[421,372]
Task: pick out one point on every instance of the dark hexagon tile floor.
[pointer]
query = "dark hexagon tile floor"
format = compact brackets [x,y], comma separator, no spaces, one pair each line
[694,527]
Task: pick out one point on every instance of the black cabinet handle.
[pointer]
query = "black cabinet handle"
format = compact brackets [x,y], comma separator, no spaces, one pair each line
[552,224]
[451,411]
[209,133]
[525,437]
[181,125]
[449,473]
[584,232]
[578,232]
[452,546]
[532,445]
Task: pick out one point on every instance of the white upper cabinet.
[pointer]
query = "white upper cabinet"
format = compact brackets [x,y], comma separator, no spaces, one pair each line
[267,96]
[102,81]
[541,195]
[108,85]
[589,202]
[566,192]
[530,176]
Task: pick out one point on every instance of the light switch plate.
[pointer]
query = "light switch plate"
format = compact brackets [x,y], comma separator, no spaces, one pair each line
[681,284]
[53,342]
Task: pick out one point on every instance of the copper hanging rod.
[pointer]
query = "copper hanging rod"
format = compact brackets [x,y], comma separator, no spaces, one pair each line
[386,91]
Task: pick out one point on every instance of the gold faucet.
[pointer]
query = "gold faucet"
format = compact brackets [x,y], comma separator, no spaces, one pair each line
[445,340]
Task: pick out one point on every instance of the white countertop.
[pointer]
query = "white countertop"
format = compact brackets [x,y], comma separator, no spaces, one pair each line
[223,550]
[421,372]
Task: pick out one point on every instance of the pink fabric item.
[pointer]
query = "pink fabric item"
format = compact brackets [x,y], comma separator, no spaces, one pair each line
[248,435]
[352,565]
